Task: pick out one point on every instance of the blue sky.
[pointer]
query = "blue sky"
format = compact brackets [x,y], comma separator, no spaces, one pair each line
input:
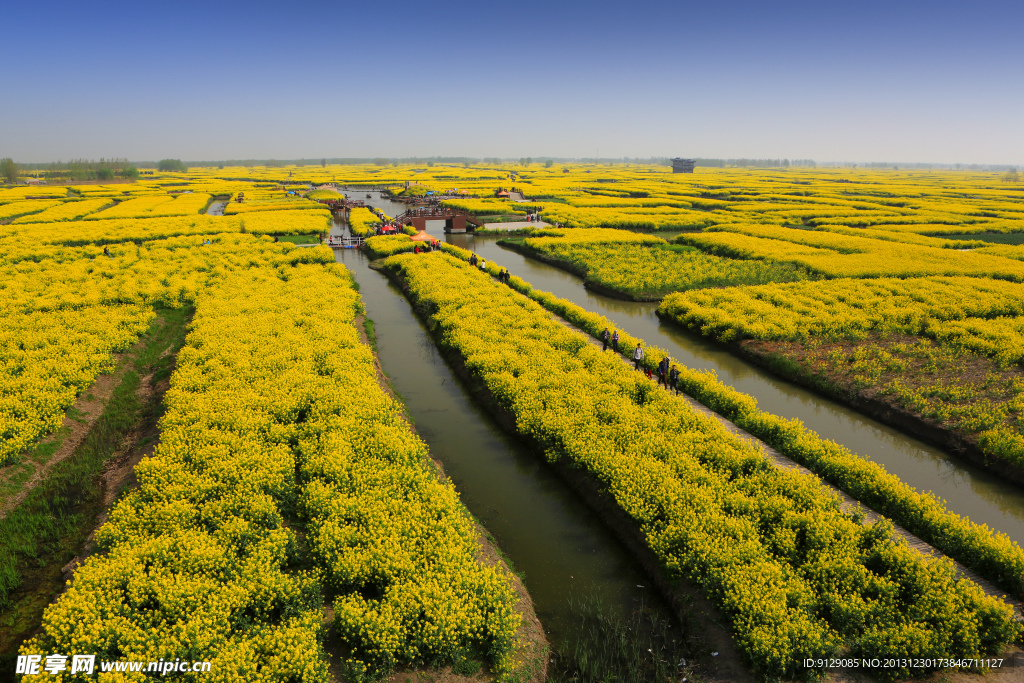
[900,80]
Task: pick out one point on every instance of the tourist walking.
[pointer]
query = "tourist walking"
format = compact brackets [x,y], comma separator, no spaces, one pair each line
[472,260]
[638,355]
[673,379]
[615,341]
[663,372]
[605,336]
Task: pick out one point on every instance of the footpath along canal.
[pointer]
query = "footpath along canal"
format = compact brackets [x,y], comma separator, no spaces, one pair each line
[967,490]
[563,550]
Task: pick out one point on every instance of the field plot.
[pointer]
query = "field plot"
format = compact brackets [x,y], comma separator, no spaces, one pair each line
[710,506]
[645,267]
[297,482]
[290,526]
[945,349]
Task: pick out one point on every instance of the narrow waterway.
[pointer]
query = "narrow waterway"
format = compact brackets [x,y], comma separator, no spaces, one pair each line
[390,208]
[967,489]
[547,532]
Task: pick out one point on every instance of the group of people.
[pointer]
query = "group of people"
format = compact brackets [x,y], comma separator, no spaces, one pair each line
[668,374]
[503,275]
[430,245]
[613,338]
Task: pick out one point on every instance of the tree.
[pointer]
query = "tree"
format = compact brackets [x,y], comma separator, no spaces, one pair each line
[529,161]
[1011,176]
[323,162]
[549,163]
[172,165]
[9,170]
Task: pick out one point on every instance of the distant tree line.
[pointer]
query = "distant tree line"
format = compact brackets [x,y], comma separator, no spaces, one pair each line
[756,163]
[85,169]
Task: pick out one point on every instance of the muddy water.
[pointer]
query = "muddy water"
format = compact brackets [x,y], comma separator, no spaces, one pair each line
[967,489]
[217,208]
[549,535]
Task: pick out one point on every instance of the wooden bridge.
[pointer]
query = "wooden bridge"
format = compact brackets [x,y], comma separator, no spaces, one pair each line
[342,204]
[455,220]
[344,242]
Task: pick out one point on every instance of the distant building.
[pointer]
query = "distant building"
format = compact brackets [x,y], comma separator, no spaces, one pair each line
[683,165]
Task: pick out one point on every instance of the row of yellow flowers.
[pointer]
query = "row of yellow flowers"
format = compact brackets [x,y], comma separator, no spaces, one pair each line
[647,267]
[62,318]
[47,358]
[973,312]
[14,209]
[66,211]
[33,240]
[838,255]
[362,221]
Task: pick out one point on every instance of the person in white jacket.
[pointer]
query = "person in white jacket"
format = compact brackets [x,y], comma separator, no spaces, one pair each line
[638,355]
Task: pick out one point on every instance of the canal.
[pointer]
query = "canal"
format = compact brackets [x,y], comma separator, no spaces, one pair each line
[551,537]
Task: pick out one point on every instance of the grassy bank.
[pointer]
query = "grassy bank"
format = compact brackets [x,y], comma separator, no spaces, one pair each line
[299,239]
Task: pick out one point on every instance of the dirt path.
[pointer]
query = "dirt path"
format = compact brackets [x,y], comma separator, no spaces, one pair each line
[119,474]
[78,421]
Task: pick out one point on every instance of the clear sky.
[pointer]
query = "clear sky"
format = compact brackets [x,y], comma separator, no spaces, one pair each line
[871,80]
